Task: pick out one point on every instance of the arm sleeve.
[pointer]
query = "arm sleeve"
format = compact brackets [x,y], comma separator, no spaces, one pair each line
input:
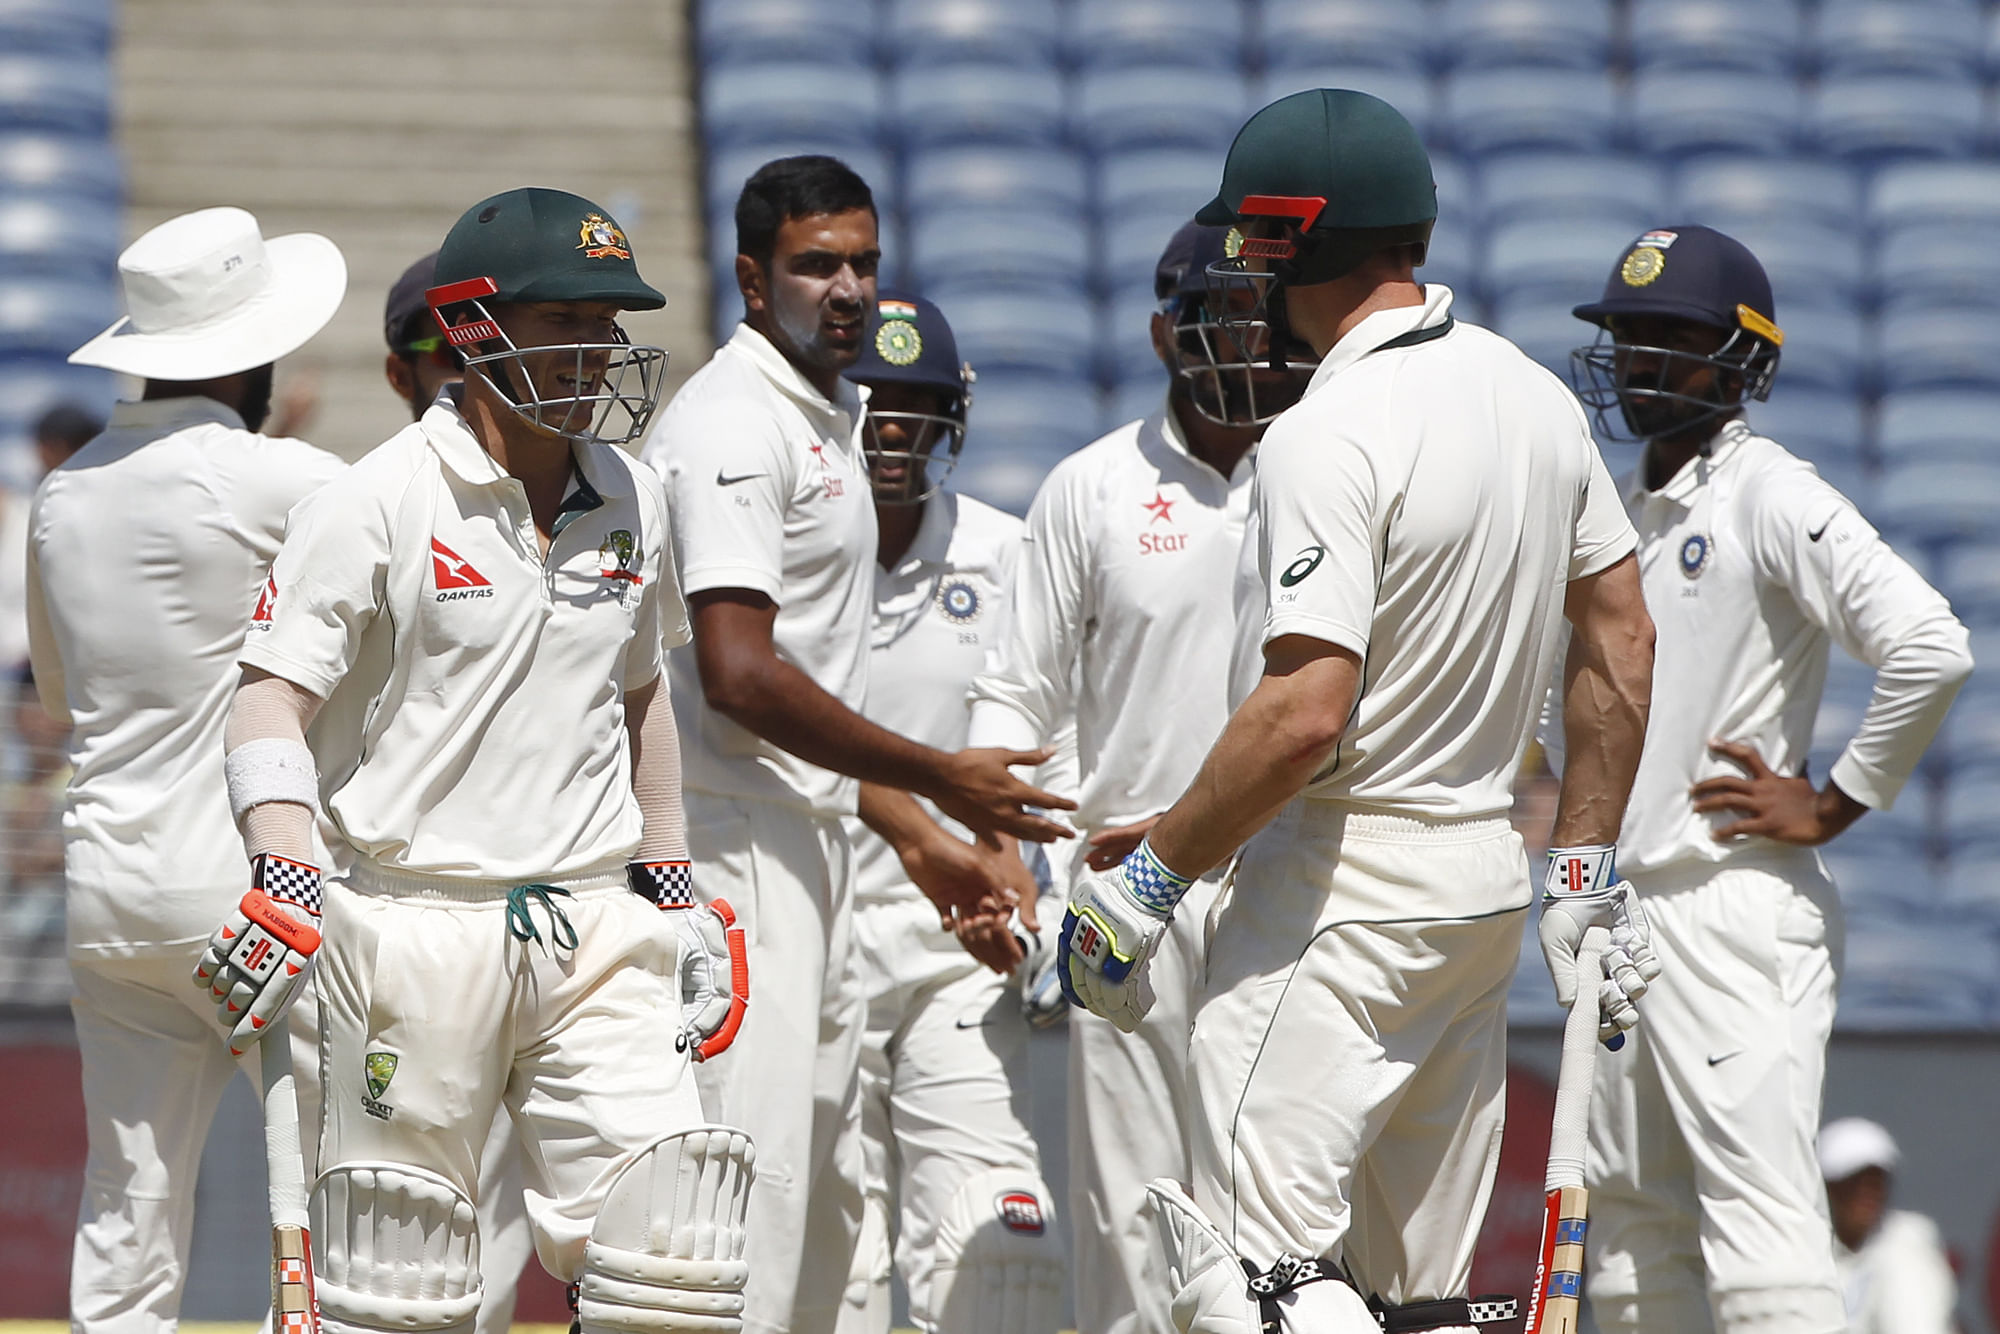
[44,655]
[330,578]
[1604,532]
[1025,694]
[269,708]
[1810,540]
[1322,539]
[656,774]
[728,484]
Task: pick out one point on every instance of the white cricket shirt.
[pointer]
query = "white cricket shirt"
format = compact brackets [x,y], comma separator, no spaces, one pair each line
[1425,505]
[937,615]
[1122,619]
[1751,564]
[770,493]
[475,720]
[146,552]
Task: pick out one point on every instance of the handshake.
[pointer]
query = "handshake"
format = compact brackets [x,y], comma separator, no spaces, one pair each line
[1582,891]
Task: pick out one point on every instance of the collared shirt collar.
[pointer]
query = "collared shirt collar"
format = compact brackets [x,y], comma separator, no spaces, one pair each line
[450,435]
[1683,485]
[1382,327]
[788,380]
[167,415]
[1166,424]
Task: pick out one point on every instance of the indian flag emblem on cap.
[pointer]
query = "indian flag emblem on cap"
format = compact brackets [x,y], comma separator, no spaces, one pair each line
[897,310]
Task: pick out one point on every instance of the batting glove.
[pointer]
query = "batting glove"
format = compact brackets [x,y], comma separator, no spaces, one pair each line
[1043,1003]
[257,960]
[713,958]
[1583,890]
[1112,926]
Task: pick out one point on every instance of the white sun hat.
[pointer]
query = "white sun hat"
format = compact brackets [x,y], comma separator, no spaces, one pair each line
[206,295]
[1853,1144]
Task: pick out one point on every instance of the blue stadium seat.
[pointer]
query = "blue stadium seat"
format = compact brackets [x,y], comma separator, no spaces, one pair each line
[796,100]
[1121,34]
[1970,887]
[1904,975]
[1878,880]
[1132,243]
[1939,502]
[1042,179]
[1409,91]
[1810,264]
[729,168]
[741,32]
[1817,424]
[1122,109]
[919,34]
[1970,577]
[1826,351]
[943,106]
[1128,338]
[1001,332]
[1937,425]
[1483,34]
[1931,265]
[1457,200]
[1675,113]
[1019,249]
[1018,429]
[1543,185]
[82,27]
[1972,813]
[1140,396]
[1304,33]
[31,385]
[1493,110]
[58,234]
[1870,37]
[50,316]
[1452,260]
[1760,38]
[1785,190]
[1548,333]
[1553,263]
[60,164]
[1923,349]
[1911,192]
[1866,116]
[1157,180]
[70,93]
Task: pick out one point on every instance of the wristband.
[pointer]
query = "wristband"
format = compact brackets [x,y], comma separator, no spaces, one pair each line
[1151,882]
[662,884]
[270,769]
[1580,872]
[288,880]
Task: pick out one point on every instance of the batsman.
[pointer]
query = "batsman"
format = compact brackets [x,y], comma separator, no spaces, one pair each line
[1429,512]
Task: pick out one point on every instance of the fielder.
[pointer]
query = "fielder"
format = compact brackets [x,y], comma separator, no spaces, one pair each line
[1707,1207]
[761,452]
[145,551]
[954,1178]
[1121,620]
[1895,1271]
[471,622]
[1428,511]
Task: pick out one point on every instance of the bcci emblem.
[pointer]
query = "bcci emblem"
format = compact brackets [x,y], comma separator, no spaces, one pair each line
[1694,556]
[379,1067]
[1642,266]
[959,602]
[898,343]
[601,238]
[1232,243]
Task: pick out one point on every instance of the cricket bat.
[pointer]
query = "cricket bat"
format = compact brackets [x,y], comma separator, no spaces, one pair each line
[294,1302]
[1555,1302]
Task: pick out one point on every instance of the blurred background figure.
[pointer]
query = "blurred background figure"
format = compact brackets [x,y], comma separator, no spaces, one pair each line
[62,430]
[1893,1268]
[419,364]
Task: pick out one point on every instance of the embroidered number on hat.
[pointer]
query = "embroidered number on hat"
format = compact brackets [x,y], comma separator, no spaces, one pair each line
[1021,1212]
[1642,266]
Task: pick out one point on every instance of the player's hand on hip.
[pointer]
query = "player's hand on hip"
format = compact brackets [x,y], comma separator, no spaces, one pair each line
[258,959]
[1582,891]
[1789,810]
[1113,925]
[979,789]
[712,958]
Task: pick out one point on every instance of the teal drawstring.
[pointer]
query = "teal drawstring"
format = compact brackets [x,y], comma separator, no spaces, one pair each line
[521,922]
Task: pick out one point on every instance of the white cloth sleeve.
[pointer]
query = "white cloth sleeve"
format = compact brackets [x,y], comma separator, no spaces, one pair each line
[1026,693]
[270,708]
[1604,532]
[1810,540]
[656,774]
[330,578]
[1322,537]
[44,654]
[728,484]
[661,622]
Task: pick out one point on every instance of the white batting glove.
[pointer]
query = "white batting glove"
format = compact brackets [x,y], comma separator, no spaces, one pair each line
[1112,926]
[713,958]
[1043,1004]
[1583,890]
[257,960]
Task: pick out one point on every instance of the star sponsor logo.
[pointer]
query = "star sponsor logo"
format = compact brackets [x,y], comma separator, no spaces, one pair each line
[454,576]
[1162,511]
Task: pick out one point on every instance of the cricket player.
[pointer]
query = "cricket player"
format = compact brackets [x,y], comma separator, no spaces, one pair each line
[1122,620]
[146,550]
[1707,1210]
[1895,1272]
[471,621]
[762,455]
[1428,511]
[954,1178]
[419,362]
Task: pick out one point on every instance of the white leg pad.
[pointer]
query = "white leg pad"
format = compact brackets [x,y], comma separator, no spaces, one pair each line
[398,1250]
[666,1252]
[1211,1289]
[998,1267]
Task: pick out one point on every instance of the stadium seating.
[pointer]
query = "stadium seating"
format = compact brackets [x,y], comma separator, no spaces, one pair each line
[1715,190]
[1826,350]
[942,106]
[920,34]
[1157,180]
[1301,34]
[1128,337]
[1553,262]
[54,164]
[1567,34]
[1917,349]
[1409,91]
[57,234]
[1811,265]
[1451,260]
[1938,502]
[1132,247]
[1050,181]
[1548,333]
[1491,110]
[740,32]
[1818,424]
[730,168]
[1870,37]
[1867,116]
[1122,109]
[1970,577]
[1014,249]
[1677,112]
[1938,425]
[62,92]
[1905,975]
[1546,186]
[52,316]
[795,99]
[1906,193]
[1761,39]
[1122,34]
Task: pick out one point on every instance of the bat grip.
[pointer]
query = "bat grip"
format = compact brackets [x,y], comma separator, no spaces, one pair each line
[1569,1133]
[283,1160]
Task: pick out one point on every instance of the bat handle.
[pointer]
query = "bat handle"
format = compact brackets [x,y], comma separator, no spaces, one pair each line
[1569,1135]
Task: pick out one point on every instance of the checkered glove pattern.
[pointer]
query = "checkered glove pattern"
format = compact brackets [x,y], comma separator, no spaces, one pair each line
[1582,890]
[1112,926]
[1492,1310]
[664,884]
[712,960]
[256,962]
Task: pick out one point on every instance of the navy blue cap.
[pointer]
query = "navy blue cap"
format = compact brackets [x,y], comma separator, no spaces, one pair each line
[1184,264]
[908,342]
[1690,273]
[406,302]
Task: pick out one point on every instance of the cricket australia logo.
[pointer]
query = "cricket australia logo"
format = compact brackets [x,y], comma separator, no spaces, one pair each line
[618,559]
[378,1067]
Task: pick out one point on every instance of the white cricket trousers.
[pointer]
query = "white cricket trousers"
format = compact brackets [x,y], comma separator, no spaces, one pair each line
[1349,1068]
[944,1095]
[1707,1212]
[1128,1115]
[791,1079]
[423,986]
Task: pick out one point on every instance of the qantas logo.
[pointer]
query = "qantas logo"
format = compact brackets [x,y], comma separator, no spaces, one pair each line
[260,619]
[454,576]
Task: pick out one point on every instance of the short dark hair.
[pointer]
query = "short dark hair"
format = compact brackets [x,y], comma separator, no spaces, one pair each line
[70,424]
[791,188]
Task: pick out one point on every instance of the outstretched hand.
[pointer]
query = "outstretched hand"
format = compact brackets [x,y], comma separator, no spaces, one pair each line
[978,788]
[1789,810]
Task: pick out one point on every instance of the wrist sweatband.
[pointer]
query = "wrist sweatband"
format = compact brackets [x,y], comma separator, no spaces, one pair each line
[1151,882]
[663,884]
[270,769]
[1576,872]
